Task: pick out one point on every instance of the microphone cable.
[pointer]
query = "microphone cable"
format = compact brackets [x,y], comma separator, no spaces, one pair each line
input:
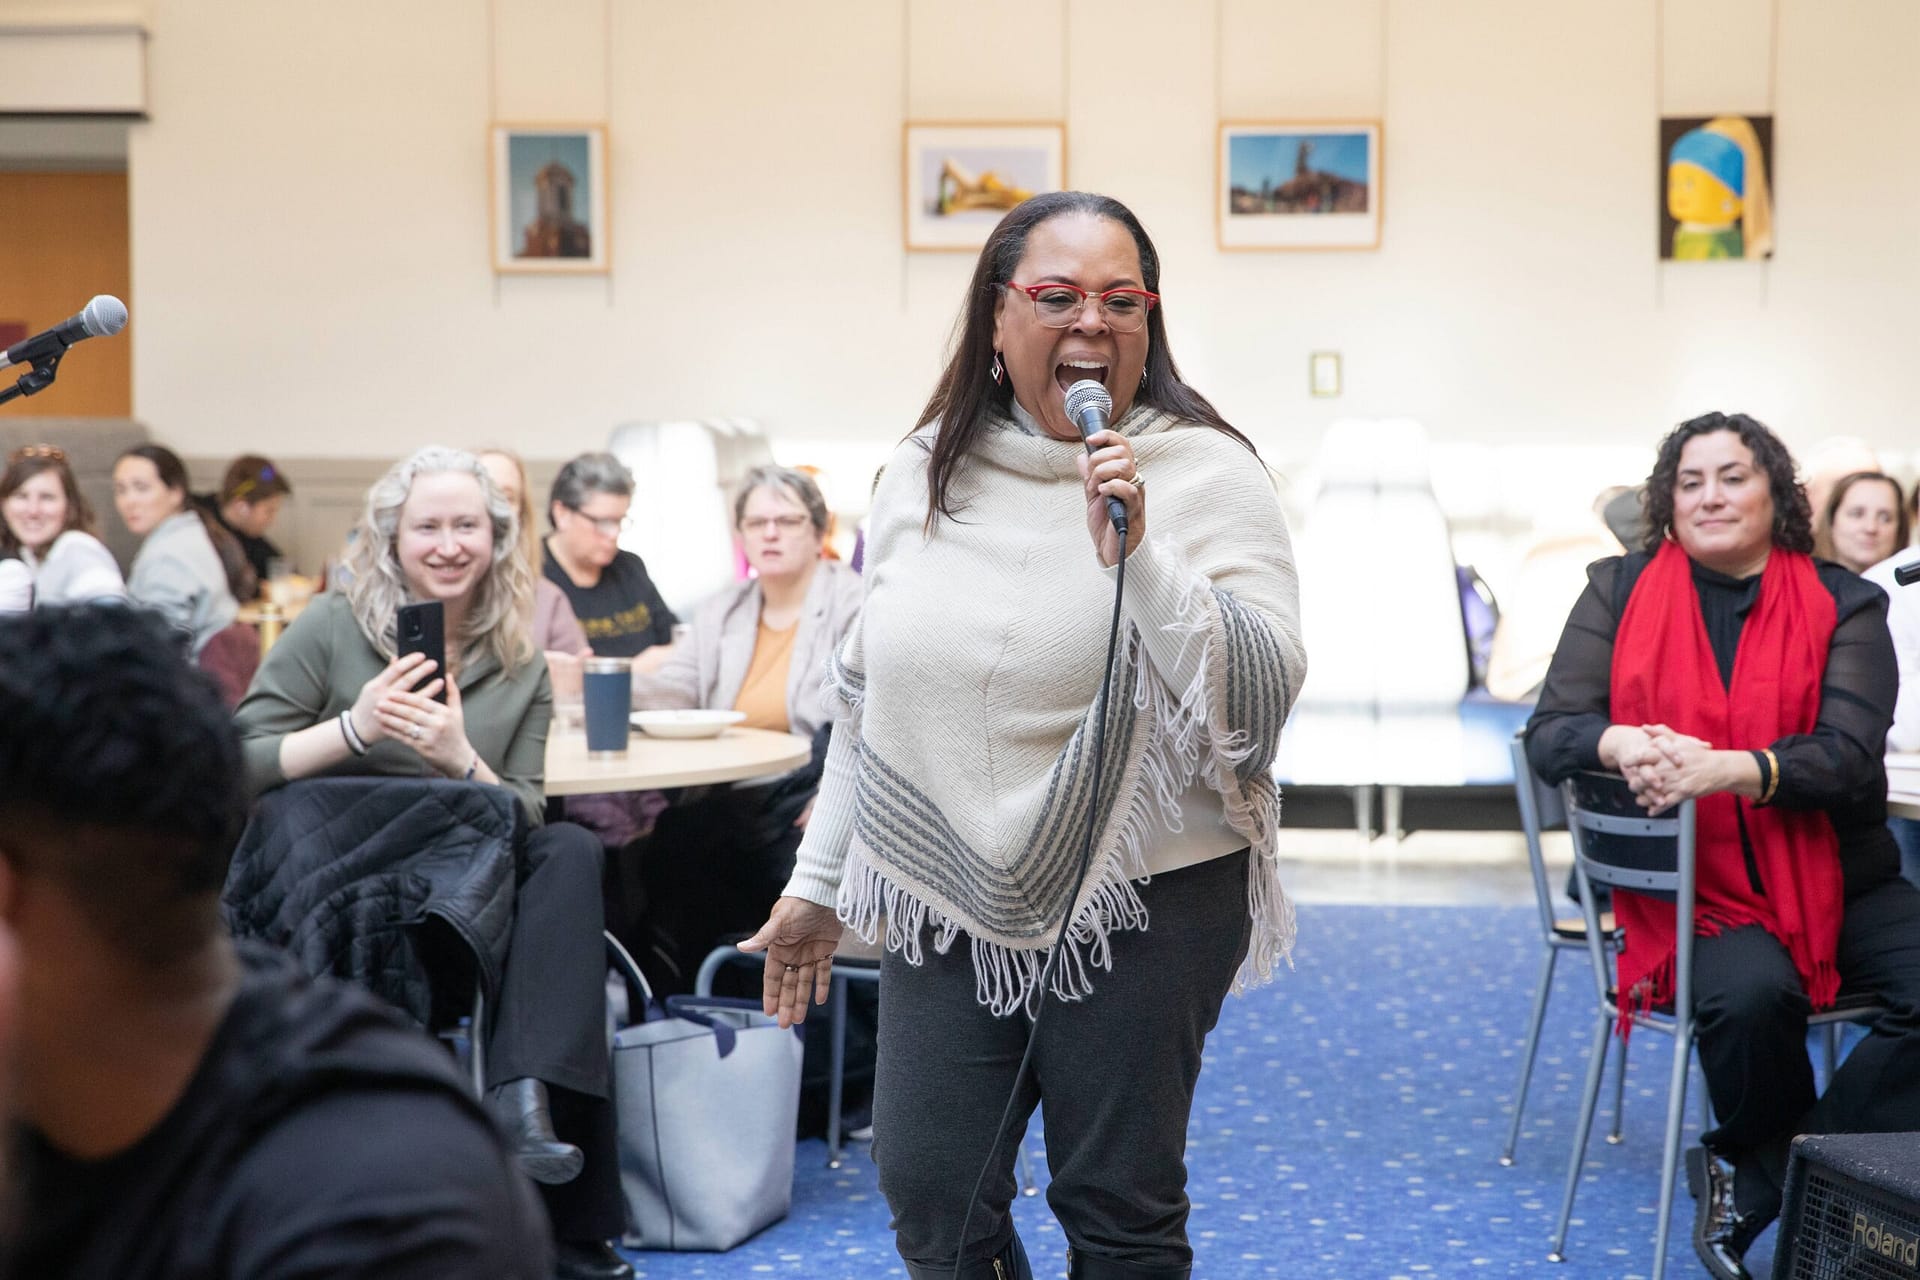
[1079,882]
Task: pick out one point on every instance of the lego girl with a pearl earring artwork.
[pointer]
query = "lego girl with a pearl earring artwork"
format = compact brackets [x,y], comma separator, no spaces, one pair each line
[1716,187]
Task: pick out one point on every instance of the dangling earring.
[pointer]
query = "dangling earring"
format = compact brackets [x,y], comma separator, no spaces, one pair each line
[997,372]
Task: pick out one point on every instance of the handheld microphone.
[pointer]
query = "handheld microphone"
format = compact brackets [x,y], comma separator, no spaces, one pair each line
[1088,405]
[103,317]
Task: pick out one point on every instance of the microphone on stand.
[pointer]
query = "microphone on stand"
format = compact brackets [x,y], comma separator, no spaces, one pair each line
[103,317]
[1907,574]
[1088,406]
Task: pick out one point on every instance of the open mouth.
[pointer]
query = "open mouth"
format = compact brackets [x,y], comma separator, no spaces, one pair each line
[1068,372]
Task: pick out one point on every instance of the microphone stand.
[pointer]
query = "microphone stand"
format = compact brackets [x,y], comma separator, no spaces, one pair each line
[36,379]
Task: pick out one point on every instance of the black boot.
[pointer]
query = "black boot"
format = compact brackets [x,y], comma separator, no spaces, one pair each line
[1086,1266]
[1008,1264]
[589,1260]
[519,1107]
[1721,1233]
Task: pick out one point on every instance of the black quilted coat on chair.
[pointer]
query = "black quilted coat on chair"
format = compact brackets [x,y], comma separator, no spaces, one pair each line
[404,885]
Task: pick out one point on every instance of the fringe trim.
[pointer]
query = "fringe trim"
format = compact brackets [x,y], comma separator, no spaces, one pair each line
[1186,740]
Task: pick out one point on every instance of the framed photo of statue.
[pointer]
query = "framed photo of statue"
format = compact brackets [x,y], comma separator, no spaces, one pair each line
[1716,188]
[958,179]
[1298,184]
[549,192]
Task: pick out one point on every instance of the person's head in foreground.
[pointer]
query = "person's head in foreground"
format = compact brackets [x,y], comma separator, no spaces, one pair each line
[253,1120]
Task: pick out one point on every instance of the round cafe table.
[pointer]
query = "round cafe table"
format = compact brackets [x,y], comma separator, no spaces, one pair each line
[654,764]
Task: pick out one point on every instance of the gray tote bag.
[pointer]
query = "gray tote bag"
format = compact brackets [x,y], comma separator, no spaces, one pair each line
[708,1095]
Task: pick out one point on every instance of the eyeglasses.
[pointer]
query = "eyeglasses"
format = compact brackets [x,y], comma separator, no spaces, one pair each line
[1058,305]
[779,524]
[608,526]
[48,452]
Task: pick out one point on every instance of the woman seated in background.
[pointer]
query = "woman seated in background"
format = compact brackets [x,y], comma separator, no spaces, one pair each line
[333,698]
[716,865]
[556,631]
[179,571]
[47,532]
[1721,663]
[609,589]
[246,506]
[1865,521]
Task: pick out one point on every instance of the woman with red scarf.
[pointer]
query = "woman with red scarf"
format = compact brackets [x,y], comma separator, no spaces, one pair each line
[1723,664]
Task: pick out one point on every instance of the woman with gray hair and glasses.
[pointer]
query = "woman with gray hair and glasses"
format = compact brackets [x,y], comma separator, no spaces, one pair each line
[609,589]
[758,647]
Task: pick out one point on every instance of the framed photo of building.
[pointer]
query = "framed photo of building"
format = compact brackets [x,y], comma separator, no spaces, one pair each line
[958,180]
[1299,185]
[550,198]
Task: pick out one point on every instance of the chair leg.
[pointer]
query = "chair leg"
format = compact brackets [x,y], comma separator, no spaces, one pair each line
[1589,1103]
[1614,1138]
[1670,1152]
[837,1069]
[1541,991]
[477,1041]
[1027,1185]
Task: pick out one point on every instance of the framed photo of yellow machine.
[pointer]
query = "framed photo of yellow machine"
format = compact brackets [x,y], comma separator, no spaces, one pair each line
[549,198]
[959,179]
[1298,185]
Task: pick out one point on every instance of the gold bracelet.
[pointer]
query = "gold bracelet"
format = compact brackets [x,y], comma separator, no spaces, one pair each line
[1773,775]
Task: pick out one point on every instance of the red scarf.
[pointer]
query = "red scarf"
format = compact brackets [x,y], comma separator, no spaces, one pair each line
[1664,673]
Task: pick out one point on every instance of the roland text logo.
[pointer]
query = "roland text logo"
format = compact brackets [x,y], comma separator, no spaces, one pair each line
[1879,1238]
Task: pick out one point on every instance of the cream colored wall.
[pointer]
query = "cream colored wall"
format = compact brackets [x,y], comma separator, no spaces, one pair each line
[310,225]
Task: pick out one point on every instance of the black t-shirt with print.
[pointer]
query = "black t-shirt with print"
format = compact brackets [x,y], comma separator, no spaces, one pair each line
[622,614]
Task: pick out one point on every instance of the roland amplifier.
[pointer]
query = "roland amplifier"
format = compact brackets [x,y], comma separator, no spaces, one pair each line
[1852,1209]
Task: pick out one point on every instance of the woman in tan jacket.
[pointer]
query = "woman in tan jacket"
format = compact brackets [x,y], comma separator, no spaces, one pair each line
[719,858]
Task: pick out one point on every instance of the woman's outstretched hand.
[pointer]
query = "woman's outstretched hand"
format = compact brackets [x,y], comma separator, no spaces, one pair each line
[799,938]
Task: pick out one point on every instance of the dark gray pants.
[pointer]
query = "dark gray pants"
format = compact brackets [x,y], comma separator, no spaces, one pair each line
[1115,1072]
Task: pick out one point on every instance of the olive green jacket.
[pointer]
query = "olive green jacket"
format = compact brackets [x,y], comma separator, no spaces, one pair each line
[318,668]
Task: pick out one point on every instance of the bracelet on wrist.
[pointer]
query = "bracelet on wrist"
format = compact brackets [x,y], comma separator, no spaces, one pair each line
[473,767]
[355,743]
[1773,775]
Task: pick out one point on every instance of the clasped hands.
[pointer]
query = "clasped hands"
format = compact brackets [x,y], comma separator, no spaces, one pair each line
[1664,766]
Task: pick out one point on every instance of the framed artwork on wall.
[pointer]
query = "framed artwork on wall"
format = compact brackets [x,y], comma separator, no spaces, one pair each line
[549,210]
[1716,187]
[1299,185]
[959,179]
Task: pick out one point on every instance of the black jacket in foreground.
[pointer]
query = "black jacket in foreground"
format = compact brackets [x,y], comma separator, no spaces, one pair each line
[1839,767]
[318,1137]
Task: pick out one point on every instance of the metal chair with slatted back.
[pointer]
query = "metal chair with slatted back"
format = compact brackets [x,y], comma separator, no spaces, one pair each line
[1615,843]
[1541,811]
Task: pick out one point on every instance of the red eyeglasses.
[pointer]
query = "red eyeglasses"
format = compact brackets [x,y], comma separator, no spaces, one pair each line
[1058,305]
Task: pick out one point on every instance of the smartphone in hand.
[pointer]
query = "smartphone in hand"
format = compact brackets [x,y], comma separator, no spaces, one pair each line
[423,629]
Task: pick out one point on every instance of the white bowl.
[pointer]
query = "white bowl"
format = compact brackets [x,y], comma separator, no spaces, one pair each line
[685,724]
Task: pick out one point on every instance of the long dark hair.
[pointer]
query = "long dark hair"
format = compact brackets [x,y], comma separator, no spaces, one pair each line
[24,465]
[966,393]
[1792,513]
[173,474]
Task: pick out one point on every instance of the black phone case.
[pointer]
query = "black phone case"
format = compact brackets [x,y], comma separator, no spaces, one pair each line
[423,629]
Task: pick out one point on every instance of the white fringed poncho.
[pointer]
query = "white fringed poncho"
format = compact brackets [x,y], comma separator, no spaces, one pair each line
[956,788]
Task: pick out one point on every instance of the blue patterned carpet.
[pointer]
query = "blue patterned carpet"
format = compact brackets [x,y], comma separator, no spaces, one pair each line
[1348,1125]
